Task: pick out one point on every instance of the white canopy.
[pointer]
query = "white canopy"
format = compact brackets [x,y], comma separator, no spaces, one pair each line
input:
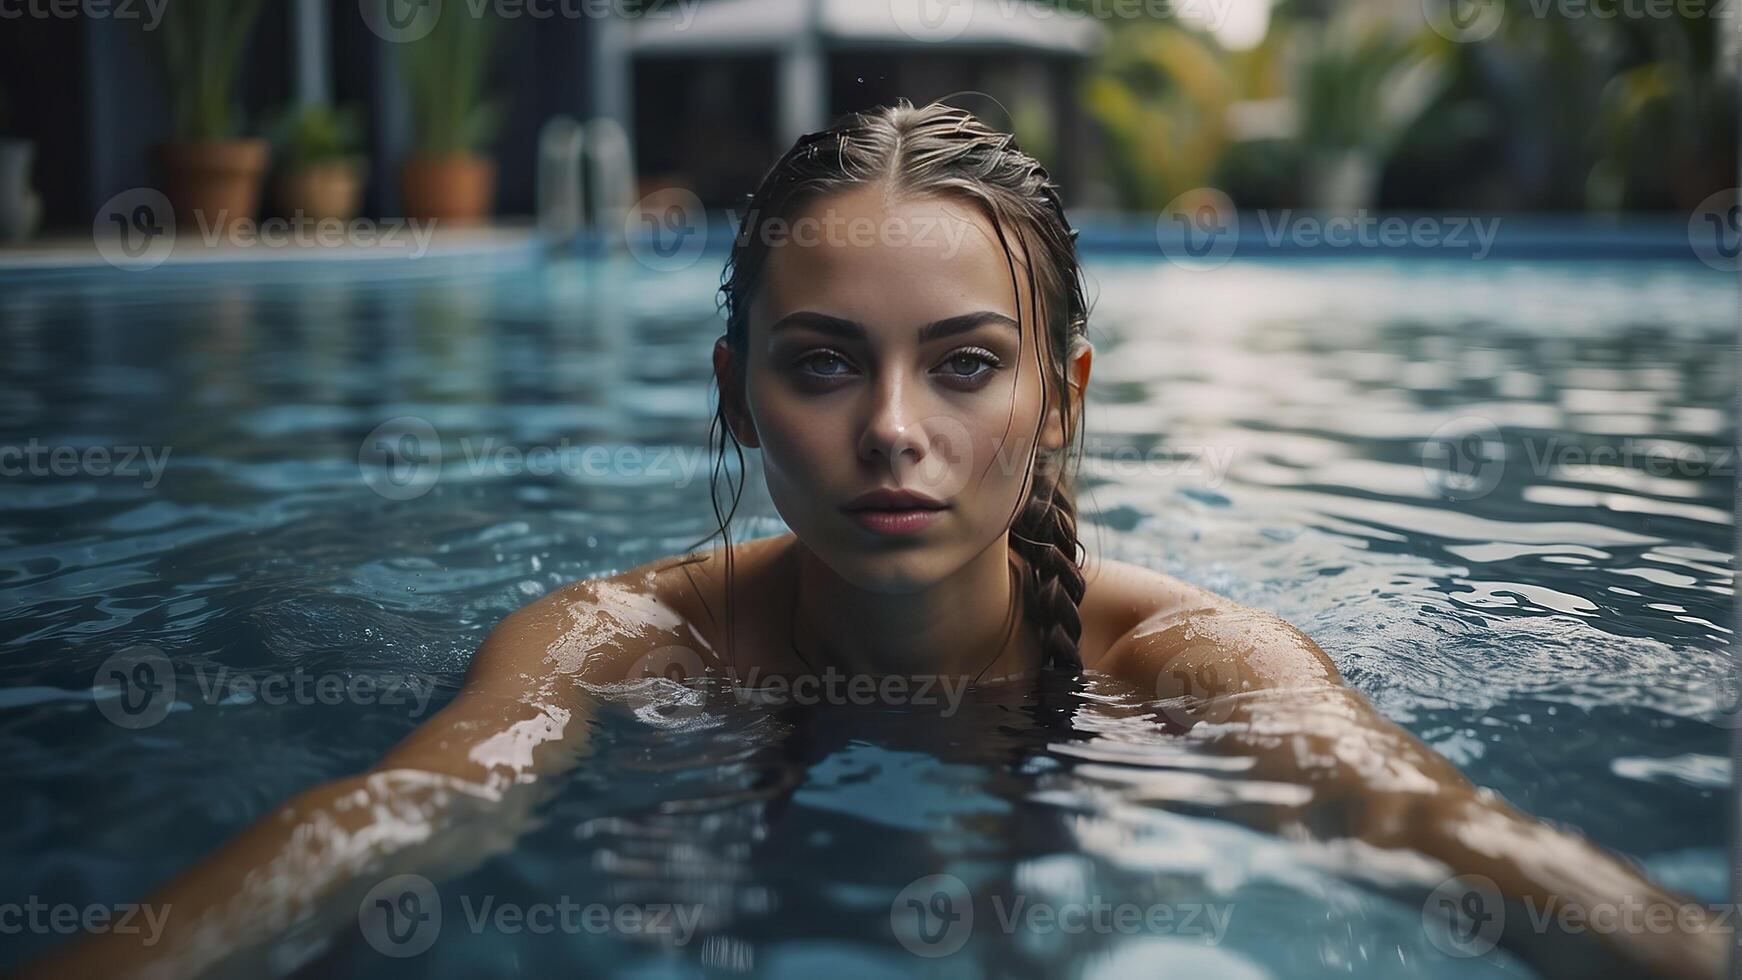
[729,25]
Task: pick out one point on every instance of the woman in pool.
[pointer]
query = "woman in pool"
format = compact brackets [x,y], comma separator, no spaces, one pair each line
[906,346]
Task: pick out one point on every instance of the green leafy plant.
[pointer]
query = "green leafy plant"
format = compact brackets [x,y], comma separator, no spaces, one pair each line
[446,75]
[1362,85]
[317,133]
[1665,132]
[1161,95]
[202,43]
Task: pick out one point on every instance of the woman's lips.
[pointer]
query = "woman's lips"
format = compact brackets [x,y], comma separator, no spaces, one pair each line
[908,521]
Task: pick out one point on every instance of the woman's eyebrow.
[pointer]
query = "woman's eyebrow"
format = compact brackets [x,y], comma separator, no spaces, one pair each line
[853,330]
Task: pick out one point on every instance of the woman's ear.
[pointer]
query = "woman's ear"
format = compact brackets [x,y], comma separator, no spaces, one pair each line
[732,403]
[1077,376]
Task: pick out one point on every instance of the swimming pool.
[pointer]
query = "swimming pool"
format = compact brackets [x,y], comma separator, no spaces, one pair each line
[1498,493]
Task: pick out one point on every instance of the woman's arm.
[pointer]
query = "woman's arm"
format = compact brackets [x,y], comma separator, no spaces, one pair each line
[1247,683]
[458,788]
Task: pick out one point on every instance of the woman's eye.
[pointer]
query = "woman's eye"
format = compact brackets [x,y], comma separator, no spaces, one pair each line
[824,364]
[971,365]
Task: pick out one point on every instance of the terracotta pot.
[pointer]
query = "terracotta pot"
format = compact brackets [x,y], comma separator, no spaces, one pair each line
[213,184]
[329,189]
[458,189]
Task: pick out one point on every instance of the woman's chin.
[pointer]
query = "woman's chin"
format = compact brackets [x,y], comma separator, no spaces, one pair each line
[892,572]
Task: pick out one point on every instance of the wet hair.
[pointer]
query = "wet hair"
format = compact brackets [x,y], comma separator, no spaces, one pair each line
[942,150]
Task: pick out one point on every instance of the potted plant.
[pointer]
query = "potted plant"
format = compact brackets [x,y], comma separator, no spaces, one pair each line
[448,177]
[320,167]
[20,208]
[211,173]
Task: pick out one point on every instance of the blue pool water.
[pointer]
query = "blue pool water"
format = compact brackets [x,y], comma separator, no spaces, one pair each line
[1497,493]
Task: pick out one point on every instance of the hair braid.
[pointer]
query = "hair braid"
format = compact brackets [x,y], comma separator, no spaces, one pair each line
[1045,538]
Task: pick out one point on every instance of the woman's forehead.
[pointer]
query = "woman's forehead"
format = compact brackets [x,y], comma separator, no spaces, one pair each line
[890,262]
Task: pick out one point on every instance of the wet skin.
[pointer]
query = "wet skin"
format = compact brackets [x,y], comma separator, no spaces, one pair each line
[841,396]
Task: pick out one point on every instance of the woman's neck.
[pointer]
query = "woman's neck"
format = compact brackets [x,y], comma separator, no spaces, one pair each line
[960,627]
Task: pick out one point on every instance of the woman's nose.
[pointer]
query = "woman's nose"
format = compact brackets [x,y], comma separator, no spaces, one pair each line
[892,429]
[926,450]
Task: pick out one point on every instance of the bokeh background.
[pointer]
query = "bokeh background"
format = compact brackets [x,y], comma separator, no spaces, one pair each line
[1482,105]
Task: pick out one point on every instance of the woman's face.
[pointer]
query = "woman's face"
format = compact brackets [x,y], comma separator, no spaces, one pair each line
[890,349]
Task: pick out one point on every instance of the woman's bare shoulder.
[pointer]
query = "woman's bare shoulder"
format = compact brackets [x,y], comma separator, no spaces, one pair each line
[1146,613]
[599,628]
[1119,596]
